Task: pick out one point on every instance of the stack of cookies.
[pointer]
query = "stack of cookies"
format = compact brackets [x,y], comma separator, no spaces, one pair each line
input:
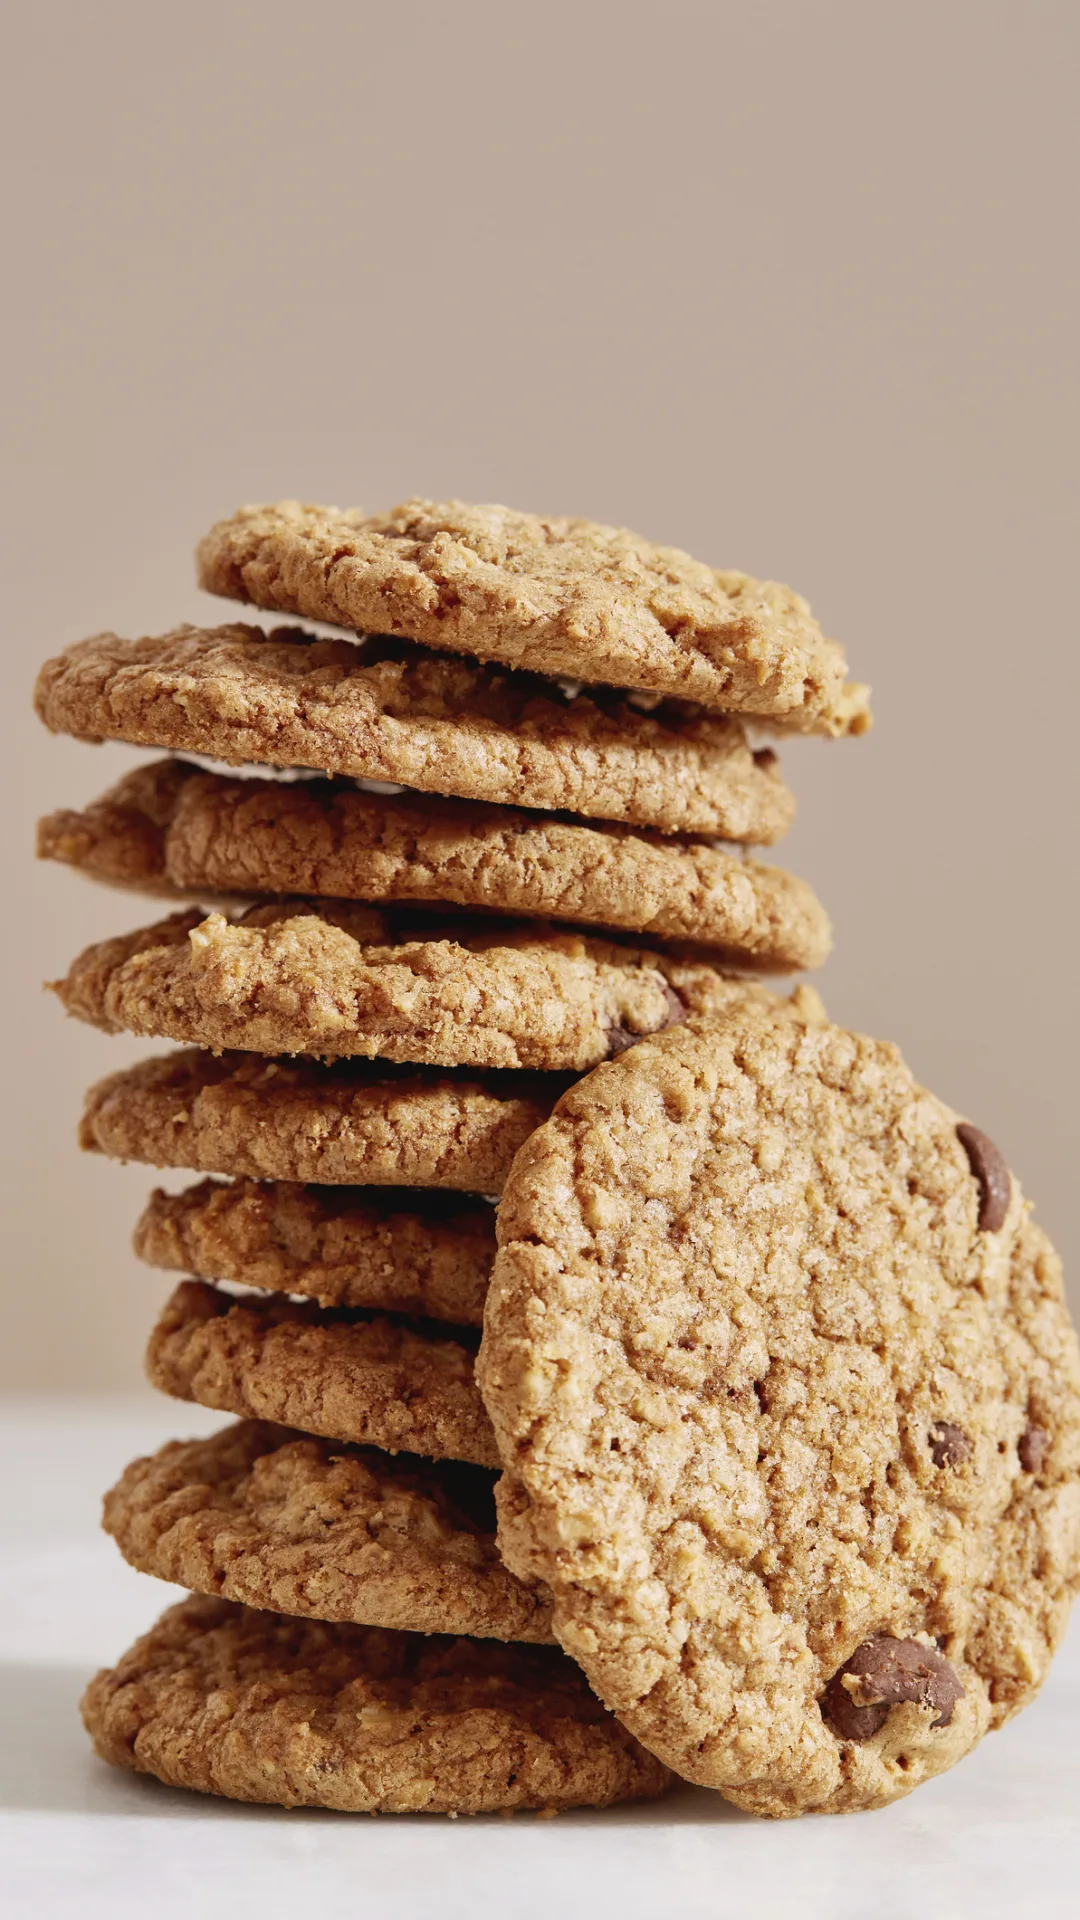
[507,845]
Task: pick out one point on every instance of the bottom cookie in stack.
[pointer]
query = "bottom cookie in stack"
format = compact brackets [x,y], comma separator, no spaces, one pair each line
[260,1706]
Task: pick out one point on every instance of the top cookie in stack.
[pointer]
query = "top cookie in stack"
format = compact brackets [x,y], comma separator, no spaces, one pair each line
[559,596]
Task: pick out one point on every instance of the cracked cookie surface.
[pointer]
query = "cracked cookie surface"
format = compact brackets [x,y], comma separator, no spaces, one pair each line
[382,710]
[170,828]
[340,980]
[339,1374]
[278,1519]
[259,1706]
[559,595]
[352,1123]
[428,1254]
[789,1406]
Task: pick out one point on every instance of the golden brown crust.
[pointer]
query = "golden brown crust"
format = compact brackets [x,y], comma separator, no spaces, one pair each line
[278,1519]
[386,711]
[776,1370]
[172,829]
[337,983]
[559,595]
[263,1707]
[337,1245]
[335,1373]
[348,1124]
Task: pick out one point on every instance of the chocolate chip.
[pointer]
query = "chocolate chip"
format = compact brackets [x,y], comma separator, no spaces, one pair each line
[620,1038]
[949,1445]
[676,1007]
[1031,1448]
[993,1176]
[765,758]
[881,1673]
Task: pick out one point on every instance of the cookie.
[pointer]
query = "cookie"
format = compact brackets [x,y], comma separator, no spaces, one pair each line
[260,1706]
[349,1124]
[340,980]
[340,1374]
[336,1245]
[789,1401]
[121,838]
[385,711]
[170,828]
[558,595]
[277,1519]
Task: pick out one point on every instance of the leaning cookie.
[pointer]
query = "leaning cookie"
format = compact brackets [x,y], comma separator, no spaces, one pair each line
[562,596]
[278,1519]
[346,981]
[339,1374]
[341,1246]
[170,828]
[259,1706]
[382,710]
[788,1400]
[351,1123]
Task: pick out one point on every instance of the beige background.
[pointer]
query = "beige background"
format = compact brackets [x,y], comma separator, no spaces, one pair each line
[792,285]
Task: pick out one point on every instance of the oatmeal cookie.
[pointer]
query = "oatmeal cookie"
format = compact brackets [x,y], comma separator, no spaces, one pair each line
[260,1706]
[788,1399]
[558,595]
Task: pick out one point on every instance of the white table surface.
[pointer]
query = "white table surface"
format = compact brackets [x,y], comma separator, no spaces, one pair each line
[1000,1835]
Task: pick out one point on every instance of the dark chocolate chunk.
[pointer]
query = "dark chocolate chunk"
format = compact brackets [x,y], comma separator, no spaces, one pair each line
[676,1007]
[993,1176]
[949,1445]
[620,1038]
[884,1672]
[1031,1448]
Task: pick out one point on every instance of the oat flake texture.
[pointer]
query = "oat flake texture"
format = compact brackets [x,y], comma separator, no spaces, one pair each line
[741,1311]
[352,1123]
[171,829]
[383,710]
[257,1706]
[340,980]
[558,595]
[274,1518]
[337,1245]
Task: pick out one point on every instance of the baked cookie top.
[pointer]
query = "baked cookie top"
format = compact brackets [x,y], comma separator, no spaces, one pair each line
[340,1374]
[172,829]
[278,1519]
[383,710]
[560,596]
[338,980]
[351,1123]
[259,1706]
[788,1400]
[342,1246]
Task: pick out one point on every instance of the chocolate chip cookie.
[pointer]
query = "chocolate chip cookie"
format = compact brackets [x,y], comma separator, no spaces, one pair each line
[339,980]
[788,1400]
